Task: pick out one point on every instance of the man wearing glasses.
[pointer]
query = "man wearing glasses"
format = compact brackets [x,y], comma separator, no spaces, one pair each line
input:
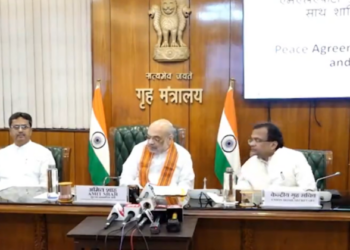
[159,160]
[273,165]
[23,163]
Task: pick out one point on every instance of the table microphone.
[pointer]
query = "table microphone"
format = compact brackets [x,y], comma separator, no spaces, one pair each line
[131,211]
[116,213]
[326,177]
[155,227]
[173,224]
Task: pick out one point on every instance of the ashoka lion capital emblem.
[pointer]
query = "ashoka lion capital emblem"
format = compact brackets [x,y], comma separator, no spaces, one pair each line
[169,23]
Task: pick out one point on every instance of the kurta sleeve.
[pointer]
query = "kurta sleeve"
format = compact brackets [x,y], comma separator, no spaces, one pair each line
[186,176]
[130,174]
[244,181]
[303,174]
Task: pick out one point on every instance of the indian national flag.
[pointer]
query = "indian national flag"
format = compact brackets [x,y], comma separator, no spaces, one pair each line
[227,149]
[99,166]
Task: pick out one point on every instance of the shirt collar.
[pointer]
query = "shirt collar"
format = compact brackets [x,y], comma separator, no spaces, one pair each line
[25,146]
[269,159]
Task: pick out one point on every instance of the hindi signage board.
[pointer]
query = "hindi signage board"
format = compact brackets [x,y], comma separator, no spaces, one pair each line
[101,194]
[291,199]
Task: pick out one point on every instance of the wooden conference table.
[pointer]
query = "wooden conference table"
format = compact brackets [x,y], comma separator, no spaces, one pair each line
[34,224]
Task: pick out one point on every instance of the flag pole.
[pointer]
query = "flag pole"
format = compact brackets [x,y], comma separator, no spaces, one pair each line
[98,83]
[232,83]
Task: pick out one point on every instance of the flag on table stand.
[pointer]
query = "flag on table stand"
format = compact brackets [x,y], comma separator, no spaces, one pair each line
[99,161]
[227,148]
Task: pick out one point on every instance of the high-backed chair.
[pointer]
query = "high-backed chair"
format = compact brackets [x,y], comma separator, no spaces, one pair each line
[126,137]
[319,160]
[61,156]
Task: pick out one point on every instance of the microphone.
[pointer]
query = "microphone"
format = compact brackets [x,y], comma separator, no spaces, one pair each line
[131,211]
[175,215]
[116,213]
[147,192]
[326,177]
[173,224]
[154,227]
[142,222]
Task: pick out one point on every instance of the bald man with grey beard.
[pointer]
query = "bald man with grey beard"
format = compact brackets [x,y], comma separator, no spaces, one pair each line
[159,160]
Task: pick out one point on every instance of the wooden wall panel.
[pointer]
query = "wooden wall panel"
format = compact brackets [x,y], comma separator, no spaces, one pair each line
[21,225]
[57,231]
[248,112]
[210,58]
[4,138]
[178,114]
[210,236]
[299,235]
[82,175]
[123,41]
[130,60]
[294,121]
[333,134]
[39,137]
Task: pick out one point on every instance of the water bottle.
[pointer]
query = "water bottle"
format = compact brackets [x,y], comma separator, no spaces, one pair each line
[229,186]
[52,182]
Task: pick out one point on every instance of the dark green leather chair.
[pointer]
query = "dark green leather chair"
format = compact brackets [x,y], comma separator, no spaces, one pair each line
[126,137]
[61,156]
[319,160]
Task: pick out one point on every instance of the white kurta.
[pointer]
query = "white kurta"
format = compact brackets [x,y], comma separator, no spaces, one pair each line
[285,168]
[183,174]
[25,165]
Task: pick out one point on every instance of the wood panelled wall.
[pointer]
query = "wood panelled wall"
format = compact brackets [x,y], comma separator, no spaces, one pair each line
[123,42]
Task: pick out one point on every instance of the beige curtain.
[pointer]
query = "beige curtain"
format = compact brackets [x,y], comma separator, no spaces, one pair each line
[45,62]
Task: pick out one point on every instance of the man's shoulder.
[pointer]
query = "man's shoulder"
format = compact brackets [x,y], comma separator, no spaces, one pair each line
[181,150]
[288,152]
[39,147]
[250,162]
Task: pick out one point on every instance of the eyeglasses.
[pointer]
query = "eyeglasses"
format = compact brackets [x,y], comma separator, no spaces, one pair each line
[256,140]
[20,126]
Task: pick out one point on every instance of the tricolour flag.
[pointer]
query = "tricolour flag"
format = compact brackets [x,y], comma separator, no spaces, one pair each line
[227,148]
[99,161]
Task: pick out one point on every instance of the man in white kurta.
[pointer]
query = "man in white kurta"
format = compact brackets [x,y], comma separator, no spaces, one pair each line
[23,163]
[273,166]
[160,136]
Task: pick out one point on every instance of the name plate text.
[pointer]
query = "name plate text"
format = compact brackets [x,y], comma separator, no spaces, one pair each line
[291,199]
[101,194]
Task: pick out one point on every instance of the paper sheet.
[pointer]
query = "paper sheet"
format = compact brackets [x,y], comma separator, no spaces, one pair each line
[169,191]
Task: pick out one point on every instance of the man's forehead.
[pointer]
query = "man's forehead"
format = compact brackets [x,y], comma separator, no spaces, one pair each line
[155,132]
[20,120]
[260,132]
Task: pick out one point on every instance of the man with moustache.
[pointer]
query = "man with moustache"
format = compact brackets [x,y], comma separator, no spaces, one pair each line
[272,165]
[159,160]
[24,163]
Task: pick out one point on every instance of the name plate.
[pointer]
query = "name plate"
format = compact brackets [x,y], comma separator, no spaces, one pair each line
[291,199]
[101,194]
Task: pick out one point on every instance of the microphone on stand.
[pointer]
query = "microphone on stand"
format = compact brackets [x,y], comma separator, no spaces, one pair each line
[155,227]
[116,213]
[326,177]
[131,211]
[145,217]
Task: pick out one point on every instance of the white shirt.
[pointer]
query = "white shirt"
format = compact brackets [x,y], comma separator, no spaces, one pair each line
[25,165]
[285,168]
[183,175]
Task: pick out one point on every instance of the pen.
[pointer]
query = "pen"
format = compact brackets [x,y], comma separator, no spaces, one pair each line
[282,176]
